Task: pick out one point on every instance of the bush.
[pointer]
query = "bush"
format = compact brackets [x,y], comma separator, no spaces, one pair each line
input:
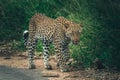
[100,20]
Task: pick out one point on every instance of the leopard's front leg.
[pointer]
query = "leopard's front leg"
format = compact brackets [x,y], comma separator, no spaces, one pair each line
[61,57]
[66,51]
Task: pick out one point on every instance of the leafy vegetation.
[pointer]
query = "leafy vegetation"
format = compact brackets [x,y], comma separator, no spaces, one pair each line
[100,19]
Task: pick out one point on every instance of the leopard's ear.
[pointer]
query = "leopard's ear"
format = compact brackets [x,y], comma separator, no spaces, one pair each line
[66,24]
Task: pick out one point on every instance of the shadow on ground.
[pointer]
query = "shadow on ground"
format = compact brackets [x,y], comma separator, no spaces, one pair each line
[8,73]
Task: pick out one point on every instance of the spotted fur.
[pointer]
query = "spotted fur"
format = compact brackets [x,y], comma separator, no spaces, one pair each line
[60,31]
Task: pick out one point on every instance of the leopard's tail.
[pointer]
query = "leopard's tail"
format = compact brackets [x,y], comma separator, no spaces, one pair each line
[25,37]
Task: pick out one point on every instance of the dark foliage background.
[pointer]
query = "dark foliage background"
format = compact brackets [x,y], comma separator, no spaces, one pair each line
[100,38]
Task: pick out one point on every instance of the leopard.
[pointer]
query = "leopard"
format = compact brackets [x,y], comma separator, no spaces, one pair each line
[59,31]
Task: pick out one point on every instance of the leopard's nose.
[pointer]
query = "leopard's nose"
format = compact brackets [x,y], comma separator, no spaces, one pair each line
[75,42]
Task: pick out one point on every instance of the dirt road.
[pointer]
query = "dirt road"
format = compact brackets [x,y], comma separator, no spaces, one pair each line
[15,68]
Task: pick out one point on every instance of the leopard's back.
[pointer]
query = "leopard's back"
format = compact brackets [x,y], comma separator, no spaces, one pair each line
[41,26]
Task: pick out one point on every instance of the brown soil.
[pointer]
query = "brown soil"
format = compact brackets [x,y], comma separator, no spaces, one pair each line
[20,61]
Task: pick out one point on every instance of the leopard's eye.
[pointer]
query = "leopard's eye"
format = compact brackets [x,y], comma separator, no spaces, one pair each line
[69,34]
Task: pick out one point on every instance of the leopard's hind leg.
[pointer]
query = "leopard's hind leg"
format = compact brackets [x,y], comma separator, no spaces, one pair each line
[31,49]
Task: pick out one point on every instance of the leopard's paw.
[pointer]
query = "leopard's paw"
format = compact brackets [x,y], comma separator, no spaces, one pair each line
[32,66]
[48,67]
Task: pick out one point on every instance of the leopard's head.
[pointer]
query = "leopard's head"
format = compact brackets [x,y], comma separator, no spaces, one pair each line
[73,32]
